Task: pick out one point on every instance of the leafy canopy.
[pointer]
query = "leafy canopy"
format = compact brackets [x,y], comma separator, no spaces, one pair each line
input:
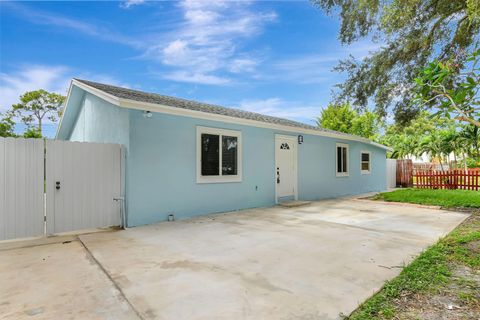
[412,32]
[452,92]
[438,137]
[7,125]
[344,118]
[34,106]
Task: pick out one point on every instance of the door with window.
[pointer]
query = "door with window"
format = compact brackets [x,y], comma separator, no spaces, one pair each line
[286,166]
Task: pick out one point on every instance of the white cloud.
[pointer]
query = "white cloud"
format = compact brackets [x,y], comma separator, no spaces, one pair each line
[185,76]
[304,69]
[207,42]
[55,20]
[28,78]
[204,46]
[278,107]
[243,65]
[129,3]
[51,78]
[316,68]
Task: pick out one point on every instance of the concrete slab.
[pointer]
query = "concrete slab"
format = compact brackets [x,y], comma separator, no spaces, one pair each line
[311,262]
[57,281]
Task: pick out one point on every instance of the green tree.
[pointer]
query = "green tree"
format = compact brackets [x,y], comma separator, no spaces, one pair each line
[433,145]
[7,125]
[469,136]
[443,87]
[34,106]
[411,33]
[32,132]
[337,117]
[344,118]
[406,140]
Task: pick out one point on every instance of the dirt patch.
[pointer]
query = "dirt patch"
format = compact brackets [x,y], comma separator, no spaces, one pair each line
[460,299]
[474,246]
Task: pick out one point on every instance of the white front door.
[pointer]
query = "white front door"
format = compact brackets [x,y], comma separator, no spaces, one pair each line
[285,166]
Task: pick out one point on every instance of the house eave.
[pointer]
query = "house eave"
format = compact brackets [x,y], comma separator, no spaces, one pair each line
[153,107]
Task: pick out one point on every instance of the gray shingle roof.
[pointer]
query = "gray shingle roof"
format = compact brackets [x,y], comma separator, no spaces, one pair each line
[141,96]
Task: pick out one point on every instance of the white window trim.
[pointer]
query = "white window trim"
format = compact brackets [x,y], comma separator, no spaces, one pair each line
[369,162]
[219,178]
[342,174]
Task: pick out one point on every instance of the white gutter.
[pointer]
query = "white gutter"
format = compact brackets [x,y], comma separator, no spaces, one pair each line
[154,107]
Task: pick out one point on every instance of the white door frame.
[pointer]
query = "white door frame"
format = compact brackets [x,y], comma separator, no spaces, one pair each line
[294,141]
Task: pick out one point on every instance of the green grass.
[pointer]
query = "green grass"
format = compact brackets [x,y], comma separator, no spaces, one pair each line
[443,198]
[428,273]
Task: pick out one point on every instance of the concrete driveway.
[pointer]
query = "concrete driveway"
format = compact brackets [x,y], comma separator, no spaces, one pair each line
[311,262]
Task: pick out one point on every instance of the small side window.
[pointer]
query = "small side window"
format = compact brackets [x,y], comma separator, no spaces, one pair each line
[342,160]
[365,162]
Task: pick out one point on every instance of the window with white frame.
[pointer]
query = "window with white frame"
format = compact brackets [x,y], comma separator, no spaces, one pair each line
[219,155]
[342,160]
[365,162]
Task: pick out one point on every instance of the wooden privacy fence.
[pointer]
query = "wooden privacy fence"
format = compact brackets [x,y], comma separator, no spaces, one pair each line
[404,173]
[448,179]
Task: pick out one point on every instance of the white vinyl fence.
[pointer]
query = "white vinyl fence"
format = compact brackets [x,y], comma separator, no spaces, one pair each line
[83,183]
[56,186]
[391,173]
[21,188]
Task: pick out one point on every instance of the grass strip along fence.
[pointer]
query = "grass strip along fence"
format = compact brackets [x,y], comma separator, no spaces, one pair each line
[447,179]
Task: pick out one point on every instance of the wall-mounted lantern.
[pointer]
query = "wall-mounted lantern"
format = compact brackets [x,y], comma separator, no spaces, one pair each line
[147,114]
[300,139]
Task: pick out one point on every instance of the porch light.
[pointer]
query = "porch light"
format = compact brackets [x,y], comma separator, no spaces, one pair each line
[147,114]
[300,139]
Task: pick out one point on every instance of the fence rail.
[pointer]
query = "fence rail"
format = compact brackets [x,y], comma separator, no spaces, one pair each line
[448,179]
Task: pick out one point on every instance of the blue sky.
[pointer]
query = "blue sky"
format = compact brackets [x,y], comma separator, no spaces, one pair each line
[268,57]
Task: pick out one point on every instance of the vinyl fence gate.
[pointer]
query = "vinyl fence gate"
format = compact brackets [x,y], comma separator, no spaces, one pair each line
[50,186]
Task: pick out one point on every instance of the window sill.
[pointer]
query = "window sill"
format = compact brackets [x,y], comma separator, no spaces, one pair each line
[203,180]
[342,175]
[366,172]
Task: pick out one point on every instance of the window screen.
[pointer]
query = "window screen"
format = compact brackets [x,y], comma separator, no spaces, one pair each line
[229,155]
[342,159]
[219,154]
[365,161]
[210,155]
[339,159]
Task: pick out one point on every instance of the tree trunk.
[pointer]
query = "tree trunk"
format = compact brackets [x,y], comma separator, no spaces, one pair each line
[40,125]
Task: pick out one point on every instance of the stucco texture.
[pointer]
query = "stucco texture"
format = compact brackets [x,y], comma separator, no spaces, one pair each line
[161,163]
[161,176]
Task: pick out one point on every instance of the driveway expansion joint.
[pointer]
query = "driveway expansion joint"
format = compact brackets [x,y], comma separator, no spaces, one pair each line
[139,315]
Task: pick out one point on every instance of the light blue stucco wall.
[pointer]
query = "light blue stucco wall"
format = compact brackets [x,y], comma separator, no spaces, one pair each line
[100,121]
[317,169]
[161,175]
[162,170]
[161,163]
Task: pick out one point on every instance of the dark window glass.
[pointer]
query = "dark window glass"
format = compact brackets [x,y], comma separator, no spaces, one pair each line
[344,159]
[210,154]
[365,157]
[339,159]
[229,155]
[365,166]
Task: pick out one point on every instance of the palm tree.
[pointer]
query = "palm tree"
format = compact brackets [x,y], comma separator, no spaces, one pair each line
[469,138]
[434,146]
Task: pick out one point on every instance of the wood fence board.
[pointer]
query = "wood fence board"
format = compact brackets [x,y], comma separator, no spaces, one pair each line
[447,179]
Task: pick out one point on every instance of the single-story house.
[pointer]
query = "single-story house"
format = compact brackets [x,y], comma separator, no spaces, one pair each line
[188,158]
